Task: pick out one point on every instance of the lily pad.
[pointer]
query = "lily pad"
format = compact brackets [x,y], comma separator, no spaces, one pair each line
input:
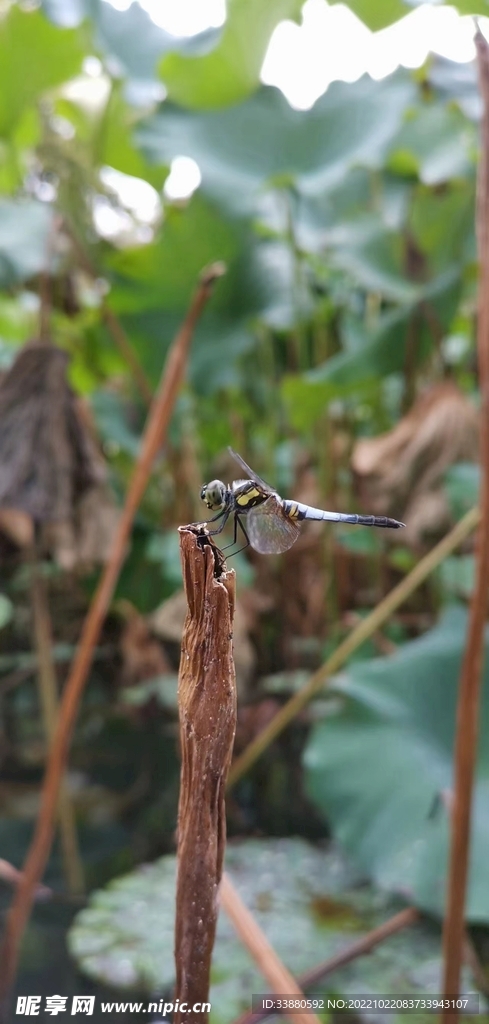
[307,899]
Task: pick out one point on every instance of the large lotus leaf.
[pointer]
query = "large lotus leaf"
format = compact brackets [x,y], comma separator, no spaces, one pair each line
[457,82]
[354,227]
[470,6]
[153,285]
[218,345]
[105,136]
[263,141]
[34,56]
[224,333]
[375,256]
[24,229]
[377,766]
[267,283]
[119,151]
[358,209]
[316,217]
[67,13]
[376,353]
[378,14]
[231,71]
[457,577]
[462,484]
[129,39]
[348,373]
[437,142]
[376,262]
[362,205]
[124,938]
[442,224]
[165,272]
[215,68]
[163,275]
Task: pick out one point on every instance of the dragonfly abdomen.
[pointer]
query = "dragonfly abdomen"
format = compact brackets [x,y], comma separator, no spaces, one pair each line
[296,510]
[392,524]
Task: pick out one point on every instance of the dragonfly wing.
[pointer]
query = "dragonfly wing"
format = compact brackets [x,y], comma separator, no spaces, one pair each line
[270,530]
[250,474]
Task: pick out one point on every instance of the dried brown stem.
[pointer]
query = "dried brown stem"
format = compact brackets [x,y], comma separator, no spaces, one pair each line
[12,876]
[365,629]
[359,948]
[207,708]
[155,431]
[48,694]
[469,693]
[362,946]
[279,978]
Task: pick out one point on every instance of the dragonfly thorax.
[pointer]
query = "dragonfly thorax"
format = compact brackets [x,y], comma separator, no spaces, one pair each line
[214,495]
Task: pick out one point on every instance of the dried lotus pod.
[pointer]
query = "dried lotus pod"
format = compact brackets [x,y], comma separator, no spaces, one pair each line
[402,472]
[47,458]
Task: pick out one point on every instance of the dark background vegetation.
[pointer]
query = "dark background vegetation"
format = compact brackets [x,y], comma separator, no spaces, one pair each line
[337,356]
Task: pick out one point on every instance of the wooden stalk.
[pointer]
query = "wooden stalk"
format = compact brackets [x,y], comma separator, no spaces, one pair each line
[207,708]
[469,693]
[154,434]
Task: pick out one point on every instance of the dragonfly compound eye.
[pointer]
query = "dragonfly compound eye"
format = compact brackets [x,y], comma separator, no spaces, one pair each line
[213,494]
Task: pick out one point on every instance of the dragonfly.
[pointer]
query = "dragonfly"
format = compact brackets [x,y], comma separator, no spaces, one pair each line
[273,524]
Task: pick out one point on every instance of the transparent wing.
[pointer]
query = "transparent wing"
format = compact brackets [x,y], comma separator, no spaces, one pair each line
[250,474]
[269,529]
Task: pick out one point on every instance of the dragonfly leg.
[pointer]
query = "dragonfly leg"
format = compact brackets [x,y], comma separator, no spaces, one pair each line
[205,522]
[233,542]
[237,522]
[225,516]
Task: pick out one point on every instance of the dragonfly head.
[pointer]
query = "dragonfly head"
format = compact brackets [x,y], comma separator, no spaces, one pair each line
[214,495]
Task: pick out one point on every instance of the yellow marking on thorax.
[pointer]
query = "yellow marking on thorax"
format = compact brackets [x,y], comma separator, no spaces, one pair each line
[244,499]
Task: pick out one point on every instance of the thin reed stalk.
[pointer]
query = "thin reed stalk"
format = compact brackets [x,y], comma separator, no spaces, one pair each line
[278,976]
[470,679]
